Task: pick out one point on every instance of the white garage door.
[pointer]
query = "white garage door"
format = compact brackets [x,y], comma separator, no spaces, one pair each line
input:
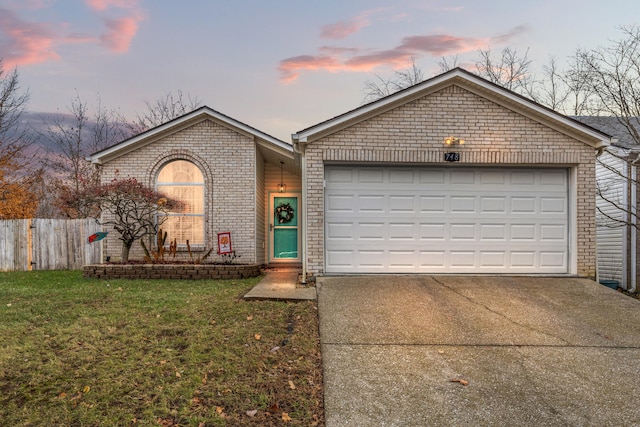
[446,220]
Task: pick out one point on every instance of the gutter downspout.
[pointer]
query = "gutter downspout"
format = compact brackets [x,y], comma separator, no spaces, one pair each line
[633,172]
[300,148]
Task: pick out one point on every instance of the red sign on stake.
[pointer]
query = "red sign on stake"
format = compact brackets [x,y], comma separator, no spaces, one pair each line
[224,243]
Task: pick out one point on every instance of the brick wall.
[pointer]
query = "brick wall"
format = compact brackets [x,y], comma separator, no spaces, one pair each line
[227,160]
[171,271]
[414,133]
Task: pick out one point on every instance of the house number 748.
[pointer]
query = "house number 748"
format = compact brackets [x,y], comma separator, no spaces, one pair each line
[451,157]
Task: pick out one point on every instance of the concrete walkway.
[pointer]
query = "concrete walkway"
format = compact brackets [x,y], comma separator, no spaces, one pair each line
[281,284]
[478,351]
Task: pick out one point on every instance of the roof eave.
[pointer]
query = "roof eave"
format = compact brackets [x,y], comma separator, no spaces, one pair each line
[498,94]
[180,123]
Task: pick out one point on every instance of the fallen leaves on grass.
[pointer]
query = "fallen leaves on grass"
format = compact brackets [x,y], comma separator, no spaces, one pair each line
[292,386]
[252,413]
[285,417]
[275,408]
[257,337]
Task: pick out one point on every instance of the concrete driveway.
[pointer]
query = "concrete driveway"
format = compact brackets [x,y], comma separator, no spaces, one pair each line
[398,351]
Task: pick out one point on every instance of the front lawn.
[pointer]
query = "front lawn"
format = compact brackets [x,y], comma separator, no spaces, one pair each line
[77,351]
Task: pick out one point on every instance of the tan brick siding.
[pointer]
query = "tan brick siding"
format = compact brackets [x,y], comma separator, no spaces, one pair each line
[414,134]
[228,162]
[260,210]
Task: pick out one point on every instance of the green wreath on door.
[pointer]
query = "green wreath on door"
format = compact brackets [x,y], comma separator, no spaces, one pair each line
[284,213]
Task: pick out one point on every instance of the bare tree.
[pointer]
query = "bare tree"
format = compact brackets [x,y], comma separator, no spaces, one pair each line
[511,70]
[18,175]
[610,86]
[613,76]
[164,109]
[579,88]
[381,87]
[73,137]
[448,64]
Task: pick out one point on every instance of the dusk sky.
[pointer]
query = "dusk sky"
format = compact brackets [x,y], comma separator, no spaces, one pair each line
[277,65]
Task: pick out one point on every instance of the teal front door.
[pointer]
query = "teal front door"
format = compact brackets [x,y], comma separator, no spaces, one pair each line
[284,228]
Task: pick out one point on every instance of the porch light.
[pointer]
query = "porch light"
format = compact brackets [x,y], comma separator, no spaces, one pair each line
[281,187]
[452,140]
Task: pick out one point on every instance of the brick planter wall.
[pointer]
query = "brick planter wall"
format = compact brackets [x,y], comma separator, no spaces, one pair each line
[170,271]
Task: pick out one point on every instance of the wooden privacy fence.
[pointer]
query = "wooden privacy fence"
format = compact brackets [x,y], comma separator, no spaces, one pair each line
[47,244]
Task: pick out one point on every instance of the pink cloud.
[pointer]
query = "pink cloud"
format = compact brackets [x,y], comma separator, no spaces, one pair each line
[341,30]
[290,68]
[102,5]
[344,29]
[120,33]
[25,42]
[441,44]
[334,59]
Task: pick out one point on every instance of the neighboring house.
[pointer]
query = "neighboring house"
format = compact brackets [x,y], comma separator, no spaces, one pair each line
[226,171]
[452,175]
[617,181]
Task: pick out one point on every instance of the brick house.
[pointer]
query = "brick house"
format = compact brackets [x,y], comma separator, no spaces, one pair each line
[226,171]
[452,175]
[391,187]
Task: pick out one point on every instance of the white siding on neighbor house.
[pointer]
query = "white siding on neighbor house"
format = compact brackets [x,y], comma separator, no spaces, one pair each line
[611,236]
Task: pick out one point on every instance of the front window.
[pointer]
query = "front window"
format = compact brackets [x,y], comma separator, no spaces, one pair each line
[182,180]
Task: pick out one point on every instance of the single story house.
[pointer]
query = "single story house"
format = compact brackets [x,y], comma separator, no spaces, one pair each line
[452,175]
[227,172]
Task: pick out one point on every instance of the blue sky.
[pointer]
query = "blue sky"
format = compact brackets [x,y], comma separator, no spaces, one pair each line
[277,65]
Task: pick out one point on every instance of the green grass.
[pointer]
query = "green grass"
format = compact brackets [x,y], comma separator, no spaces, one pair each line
[85,352]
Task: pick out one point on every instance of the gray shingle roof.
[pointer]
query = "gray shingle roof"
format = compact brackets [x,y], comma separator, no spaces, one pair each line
[612,126]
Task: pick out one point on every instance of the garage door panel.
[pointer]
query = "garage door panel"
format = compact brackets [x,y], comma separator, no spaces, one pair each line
[340,230]
[462,176]
[432,232]
[523,205]
[463,204]
[553,232]
[405,204]
[370,176]
[493,232]
[523,232]
[493,259]
[493,204]
[432,204]
[371,231]
[340,203]
[552,259]
[401,231]
[462,232]
[431,177]
[369,203]
[553,205]
[446,220]
[431,259]
[398,176]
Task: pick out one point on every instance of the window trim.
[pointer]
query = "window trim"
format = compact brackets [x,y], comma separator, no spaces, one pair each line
[159,184]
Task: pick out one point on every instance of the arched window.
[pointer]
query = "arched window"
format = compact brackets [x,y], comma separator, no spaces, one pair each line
[182,180]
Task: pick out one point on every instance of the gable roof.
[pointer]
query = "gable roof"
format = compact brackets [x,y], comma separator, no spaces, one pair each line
[183,122]
[470,82]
